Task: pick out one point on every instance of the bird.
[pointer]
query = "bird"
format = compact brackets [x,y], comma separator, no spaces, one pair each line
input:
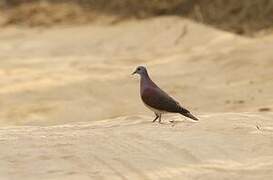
[156,99]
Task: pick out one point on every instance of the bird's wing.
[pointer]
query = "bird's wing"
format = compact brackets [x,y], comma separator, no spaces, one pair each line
[158,99]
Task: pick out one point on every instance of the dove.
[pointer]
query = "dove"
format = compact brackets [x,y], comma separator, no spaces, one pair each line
[156,99]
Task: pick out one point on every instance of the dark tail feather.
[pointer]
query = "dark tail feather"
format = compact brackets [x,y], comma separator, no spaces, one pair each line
[189,115]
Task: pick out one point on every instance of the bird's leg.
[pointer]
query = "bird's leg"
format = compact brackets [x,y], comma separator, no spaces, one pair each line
[159,118]
[156,117]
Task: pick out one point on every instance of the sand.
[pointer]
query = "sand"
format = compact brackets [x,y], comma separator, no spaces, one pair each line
[220,146]
[71,110]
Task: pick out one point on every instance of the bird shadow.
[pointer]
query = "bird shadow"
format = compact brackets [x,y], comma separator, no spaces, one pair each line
[176,122]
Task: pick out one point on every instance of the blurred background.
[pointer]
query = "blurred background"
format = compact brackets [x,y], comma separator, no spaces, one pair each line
[242,17]
[67,61]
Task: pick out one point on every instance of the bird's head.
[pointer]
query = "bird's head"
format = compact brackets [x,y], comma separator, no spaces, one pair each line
[141,70]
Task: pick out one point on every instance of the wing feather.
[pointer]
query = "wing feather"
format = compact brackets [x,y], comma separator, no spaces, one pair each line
[158,99]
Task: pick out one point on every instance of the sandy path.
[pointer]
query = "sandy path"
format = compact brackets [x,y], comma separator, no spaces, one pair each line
[220,146]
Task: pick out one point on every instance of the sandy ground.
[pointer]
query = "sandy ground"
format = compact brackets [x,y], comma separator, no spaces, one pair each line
[220,146]
[71,110]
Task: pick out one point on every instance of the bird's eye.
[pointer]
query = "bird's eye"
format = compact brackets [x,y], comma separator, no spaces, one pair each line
[138,69]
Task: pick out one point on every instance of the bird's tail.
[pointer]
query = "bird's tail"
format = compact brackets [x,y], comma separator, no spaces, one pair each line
[189,115]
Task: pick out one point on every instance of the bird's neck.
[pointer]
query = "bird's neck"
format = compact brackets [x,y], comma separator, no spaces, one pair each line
[146,82]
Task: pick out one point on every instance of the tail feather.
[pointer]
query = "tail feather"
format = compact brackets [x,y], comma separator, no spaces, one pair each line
[189,115]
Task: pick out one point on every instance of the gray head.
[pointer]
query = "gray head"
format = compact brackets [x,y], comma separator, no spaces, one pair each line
[141,70]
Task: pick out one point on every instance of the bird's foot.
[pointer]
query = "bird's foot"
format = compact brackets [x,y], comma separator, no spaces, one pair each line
[159,120]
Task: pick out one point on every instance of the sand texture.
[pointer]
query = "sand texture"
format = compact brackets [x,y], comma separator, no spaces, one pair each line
[221,146]
[71,110]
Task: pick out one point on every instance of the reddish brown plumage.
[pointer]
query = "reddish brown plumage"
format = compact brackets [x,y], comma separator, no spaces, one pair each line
[157,99]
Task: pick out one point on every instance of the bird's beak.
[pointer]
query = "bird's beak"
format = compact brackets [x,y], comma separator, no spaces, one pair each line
[134,72]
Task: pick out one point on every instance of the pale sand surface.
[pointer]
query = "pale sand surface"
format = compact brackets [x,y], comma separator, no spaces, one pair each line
[86,70]
[220,146]
[71,110]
